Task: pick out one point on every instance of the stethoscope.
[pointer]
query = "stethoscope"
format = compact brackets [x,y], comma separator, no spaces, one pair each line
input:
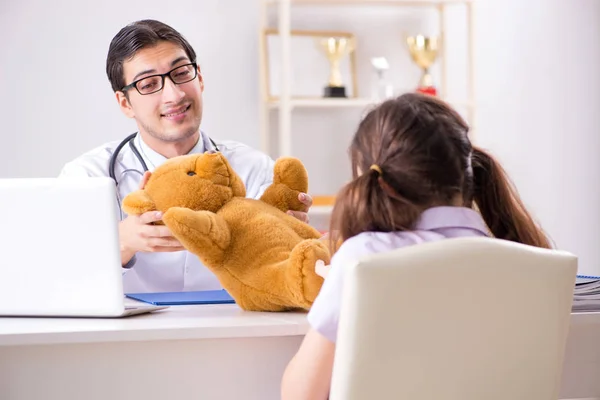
[129,139]
[113,161]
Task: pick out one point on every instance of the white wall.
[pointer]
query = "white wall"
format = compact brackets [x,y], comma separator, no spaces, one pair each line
[54,82]
[537,84]
[540,96]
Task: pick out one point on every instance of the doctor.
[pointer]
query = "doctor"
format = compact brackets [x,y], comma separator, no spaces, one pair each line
[153,72]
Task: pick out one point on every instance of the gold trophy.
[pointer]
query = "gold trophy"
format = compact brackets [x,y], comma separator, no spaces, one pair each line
[335,49]
[424,51]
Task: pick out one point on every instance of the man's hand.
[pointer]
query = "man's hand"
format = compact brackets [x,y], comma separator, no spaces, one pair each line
[137,233]
[302,215]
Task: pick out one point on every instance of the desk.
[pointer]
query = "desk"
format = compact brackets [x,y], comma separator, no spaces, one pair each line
[581,368]
[193,352]
[185,352]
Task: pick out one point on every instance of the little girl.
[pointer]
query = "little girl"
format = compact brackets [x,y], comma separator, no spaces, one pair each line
[417,178]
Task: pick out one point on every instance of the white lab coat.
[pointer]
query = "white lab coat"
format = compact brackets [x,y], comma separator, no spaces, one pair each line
[175,271]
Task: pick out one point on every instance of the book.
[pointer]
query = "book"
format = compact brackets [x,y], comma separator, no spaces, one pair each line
[586,294]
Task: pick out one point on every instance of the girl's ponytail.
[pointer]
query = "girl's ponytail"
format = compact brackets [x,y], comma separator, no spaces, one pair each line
[368,203]
[500,205]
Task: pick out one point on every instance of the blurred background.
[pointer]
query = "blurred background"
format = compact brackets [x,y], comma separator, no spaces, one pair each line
[537,88]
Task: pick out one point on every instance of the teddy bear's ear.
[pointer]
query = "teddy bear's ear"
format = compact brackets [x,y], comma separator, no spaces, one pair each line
[138,202]
[215,166]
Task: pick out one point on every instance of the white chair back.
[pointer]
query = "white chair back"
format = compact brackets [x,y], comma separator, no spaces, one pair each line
[458,319]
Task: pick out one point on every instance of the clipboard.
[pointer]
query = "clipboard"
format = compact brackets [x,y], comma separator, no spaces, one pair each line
[184,298]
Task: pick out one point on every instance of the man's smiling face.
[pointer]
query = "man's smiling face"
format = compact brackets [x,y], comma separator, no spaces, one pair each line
[173,113]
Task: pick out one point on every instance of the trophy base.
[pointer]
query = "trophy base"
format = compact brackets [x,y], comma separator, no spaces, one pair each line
[431,90]
[334,91]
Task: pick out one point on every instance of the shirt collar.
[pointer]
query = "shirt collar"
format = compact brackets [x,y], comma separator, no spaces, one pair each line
[206,142]
[451,217]
[154,159]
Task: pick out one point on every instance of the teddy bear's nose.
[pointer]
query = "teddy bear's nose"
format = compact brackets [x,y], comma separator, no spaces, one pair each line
[191,173]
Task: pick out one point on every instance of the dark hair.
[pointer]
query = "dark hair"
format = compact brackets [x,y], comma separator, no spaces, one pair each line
[134,37]
[414,153]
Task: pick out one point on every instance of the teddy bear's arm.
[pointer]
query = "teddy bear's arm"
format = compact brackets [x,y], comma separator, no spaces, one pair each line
[138,202]
[203,233]
[282,197]
[289,180]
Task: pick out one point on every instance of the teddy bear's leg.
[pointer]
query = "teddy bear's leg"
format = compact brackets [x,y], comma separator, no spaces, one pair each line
[289,180]
[203,233]
[302,278]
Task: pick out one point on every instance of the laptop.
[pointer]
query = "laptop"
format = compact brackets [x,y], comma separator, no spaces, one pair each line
[59,249]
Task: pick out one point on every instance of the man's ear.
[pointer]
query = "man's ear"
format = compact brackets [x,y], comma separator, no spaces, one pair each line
[138,202]
[124,104]
[201,80]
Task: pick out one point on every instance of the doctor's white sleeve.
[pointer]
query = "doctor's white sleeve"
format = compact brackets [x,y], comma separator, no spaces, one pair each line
[73,170]
[261,175]
[86,166]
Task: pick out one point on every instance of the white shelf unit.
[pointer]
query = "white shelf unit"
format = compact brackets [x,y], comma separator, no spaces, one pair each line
[285,104]
[320,103]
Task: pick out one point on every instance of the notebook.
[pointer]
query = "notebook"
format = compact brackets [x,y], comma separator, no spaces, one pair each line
[586,295]
[184,298]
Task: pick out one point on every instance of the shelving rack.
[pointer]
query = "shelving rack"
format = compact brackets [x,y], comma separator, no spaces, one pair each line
[285,104]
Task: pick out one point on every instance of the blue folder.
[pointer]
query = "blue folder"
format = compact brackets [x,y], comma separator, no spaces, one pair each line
[183,298]
[587,277]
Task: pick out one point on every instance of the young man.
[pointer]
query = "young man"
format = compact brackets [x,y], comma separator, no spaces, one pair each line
[153,72]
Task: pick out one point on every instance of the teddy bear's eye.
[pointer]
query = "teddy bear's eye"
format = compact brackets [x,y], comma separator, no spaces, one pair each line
[191,173]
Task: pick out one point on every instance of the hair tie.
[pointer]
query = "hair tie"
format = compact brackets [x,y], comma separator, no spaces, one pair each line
[377,168]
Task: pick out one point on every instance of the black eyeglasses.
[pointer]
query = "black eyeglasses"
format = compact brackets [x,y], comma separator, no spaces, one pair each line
[154,83]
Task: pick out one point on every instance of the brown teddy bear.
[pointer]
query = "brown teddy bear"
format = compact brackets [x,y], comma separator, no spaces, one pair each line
[262,256]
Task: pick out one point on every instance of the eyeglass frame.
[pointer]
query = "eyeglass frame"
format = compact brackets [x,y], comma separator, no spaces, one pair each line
[162,77]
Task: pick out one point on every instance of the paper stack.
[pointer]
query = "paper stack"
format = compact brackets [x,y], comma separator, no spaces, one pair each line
[586,296]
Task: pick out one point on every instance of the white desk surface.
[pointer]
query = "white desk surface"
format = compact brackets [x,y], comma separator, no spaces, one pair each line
[176,322]
[271,337]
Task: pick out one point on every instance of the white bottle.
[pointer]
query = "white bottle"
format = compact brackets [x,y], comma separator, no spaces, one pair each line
[381,88]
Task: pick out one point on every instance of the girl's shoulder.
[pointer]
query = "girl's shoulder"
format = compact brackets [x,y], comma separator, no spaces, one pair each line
[372,242]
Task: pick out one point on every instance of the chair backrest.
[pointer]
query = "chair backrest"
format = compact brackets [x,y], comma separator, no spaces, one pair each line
[463,318]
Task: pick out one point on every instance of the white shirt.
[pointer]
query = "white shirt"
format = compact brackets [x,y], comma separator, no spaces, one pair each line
[434,224]
[175,271]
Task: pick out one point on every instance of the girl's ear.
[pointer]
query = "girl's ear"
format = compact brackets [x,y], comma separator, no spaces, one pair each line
[138,202]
